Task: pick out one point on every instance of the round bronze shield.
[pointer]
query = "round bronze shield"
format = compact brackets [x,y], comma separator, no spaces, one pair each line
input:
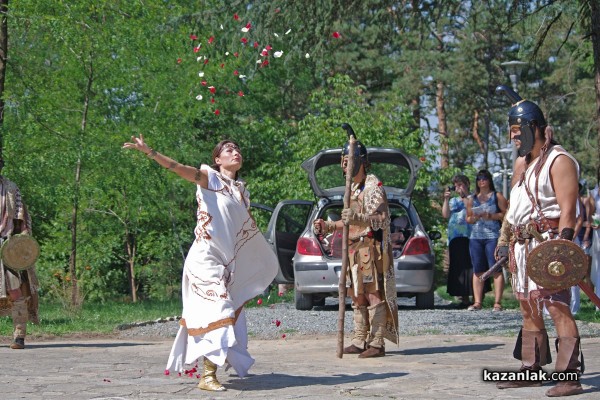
[557,264]
[20,252]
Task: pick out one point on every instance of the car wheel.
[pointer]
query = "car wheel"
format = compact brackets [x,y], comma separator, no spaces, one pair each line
[303,301]
[319,302]
[425,301]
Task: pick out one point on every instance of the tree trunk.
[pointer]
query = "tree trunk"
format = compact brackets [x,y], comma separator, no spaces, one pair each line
[73,258]
[442,125]
[595,14]
[3,58]
[131,270]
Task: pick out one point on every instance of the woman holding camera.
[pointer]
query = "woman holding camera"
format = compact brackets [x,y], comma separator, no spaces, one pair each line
[460,270]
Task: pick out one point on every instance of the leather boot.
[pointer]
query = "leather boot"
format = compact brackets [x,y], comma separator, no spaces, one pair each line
[567,360]
[209,381]
[19,317]
[361,329]
[533,353]
[376,345]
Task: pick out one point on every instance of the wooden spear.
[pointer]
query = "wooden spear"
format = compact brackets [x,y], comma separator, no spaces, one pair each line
[345,234]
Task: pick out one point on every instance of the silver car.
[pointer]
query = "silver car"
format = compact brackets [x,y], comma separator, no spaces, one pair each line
[313,263]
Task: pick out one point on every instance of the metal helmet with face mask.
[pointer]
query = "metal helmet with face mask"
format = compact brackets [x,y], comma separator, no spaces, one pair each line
[526,115]
[360,156]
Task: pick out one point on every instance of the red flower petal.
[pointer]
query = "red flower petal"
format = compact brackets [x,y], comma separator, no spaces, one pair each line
[236,73]
[217,112]
[255,45]
[236,54]
[248,25]
[379,183]
[193,37]
[196,49]
[264,53]
[336,35]
[244,40]
[280,294]
[212,89]
[259,302]
[167,372]
[211,39]
[265,63]
[206,61]
[179,60]
[283,336]
[179,374]
[268,48]
[203,83]
[222,65]
[423,159]
[277,323]
[212,100]
[236,17]
[241,94]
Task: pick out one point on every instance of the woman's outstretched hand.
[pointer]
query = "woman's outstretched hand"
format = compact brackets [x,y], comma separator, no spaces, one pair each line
[138,143]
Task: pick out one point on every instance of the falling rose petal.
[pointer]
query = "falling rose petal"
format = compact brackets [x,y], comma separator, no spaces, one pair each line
[278,54]
[277,323]
[255,45]
[236,73]
[198,376]
[280,294]
[283,336]
[264,53]
[288,31]
[179,374]
[236,54]
[236,17]
[222,65]
[206,61]
[193,37]
[217,112]
[211,39]
[307,55]
[265,63]
[212,100]
[244,40]
[196,49]
[259,302]
[336,35]
[204,83]
[212,89]
[201,74]
[269,48]
[248,25]
[423,159]
[199,97]
[379,183]
[179,60]
[241,94]
[167,372]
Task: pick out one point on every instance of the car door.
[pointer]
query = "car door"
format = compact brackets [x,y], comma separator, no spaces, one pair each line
[287,223]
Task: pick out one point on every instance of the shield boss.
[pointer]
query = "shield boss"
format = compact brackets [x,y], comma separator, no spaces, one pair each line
[20,252]
[557,264]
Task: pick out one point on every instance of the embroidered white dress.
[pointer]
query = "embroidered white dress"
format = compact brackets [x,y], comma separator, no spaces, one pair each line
[520,212]
[228,264]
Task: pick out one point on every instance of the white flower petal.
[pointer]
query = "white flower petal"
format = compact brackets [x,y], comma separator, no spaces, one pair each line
[258,61]
[199,97]
[244,29]
[242,76]
[276,35]
[307,55]
[221,26]
[201,74]
[226,53]
[288,31]
[278,54]
[199,58]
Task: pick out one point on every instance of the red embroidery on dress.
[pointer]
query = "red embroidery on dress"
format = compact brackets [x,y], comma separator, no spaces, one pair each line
[203,220]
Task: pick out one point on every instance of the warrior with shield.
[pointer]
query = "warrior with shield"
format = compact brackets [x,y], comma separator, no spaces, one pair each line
[542,210]
[370,262]
[18,281]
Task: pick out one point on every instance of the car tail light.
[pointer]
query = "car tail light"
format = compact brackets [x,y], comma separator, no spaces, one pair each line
[416,246]
[308,247]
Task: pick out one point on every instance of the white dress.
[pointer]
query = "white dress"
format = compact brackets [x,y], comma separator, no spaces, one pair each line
[595,250]
[520,212]
[229,263]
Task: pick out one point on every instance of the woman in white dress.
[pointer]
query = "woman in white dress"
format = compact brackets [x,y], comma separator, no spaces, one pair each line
[228,264]
[593,219]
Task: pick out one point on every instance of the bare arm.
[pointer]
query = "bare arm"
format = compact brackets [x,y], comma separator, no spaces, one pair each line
[191,174]
[446,204]
[471,218]
[563,176]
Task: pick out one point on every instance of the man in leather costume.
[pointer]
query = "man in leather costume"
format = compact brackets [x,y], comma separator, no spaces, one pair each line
[371,279]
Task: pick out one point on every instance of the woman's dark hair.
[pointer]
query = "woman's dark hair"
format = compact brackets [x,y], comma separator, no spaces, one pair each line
[488,175]
[217,152]
[462,179]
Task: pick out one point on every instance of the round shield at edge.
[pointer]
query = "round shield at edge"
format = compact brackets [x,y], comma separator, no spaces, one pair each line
[557,264]
[20,252]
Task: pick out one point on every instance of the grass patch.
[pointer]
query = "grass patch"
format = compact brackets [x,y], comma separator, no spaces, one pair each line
[103,318]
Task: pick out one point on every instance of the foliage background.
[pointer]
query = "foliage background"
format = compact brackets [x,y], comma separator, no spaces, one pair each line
[84,76]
